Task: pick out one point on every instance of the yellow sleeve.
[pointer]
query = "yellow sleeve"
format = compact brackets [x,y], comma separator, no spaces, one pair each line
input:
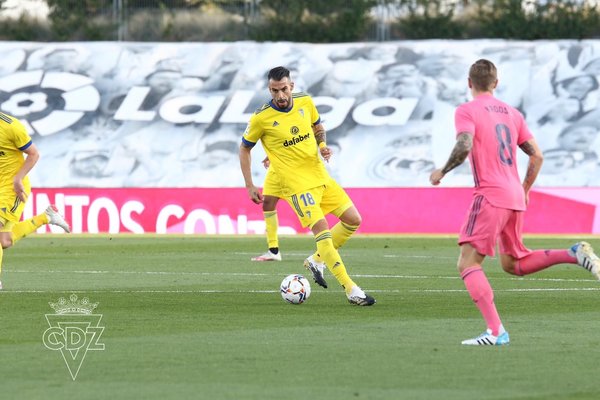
[314,113]
[253,131]
[21,137]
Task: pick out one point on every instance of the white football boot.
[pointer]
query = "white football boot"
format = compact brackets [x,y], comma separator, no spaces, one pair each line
[55,218]
[586,257]
[268,256]
[317,269]
[487,339]
[358,297]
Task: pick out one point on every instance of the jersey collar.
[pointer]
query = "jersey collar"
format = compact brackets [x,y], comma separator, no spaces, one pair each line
[285,110]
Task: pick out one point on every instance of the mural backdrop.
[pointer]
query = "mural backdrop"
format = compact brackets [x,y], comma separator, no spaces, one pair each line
[171,115]
[143,137]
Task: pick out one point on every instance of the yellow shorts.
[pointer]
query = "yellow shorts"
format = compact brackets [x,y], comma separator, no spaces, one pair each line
[313,204]
[272,186]
[11,209]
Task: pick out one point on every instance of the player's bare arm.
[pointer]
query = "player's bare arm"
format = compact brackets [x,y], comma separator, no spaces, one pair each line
[460,152]
[534,165]
[320,134]
[464,144]
[246,167]
[321,137]
[32,158]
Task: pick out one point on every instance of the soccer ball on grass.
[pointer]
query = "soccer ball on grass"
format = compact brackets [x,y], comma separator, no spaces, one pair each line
[295,289]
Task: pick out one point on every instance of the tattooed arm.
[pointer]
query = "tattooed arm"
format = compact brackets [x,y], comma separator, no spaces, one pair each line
[464,144]
[534,165]
[321,137]
[460,152]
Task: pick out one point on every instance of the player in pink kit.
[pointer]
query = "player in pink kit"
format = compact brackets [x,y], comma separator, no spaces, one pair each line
[489,131]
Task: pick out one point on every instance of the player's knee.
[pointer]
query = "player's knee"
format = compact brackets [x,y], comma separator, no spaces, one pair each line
[461,266]
[352,217]
[269,203]
[464,263]
[461,263]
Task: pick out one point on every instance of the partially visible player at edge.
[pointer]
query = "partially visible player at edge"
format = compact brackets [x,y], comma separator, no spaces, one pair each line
[15,187]
[488,131]
[271,194]
[290,129]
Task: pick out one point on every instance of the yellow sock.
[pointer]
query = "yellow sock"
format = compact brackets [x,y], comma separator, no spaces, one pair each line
[332,259]
[272,223]
[340,233]
[24,228]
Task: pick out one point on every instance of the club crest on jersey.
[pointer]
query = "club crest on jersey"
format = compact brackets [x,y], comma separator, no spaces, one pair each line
[294,130]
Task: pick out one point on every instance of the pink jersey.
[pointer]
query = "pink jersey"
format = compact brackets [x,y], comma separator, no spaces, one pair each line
[497,130]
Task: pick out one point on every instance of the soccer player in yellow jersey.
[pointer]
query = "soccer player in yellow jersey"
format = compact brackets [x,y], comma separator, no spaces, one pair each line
[271,194]
[15,187]
[290,129]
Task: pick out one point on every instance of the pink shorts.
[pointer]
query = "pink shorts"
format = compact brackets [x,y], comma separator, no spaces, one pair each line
[487,225]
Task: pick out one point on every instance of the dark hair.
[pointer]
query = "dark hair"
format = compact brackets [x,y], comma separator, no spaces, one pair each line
[483,75]
[278,73]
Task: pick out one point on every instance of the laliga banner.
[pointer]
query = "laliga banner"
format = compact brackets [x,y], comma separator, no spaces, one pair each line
[164,115]
[229,211]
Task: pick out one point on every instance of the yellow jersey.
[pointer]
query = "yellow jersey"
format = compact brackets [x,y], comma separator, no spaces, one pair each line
[14,139]
[289,142]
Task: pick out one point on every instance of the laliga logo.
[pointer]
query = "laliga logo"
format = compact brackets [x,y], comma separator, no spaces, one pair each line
[73,331]
[54,100]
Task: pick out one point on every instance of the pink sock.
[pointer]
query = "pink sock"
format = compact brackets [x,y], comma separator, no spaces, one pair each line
[542,259]
[482,294]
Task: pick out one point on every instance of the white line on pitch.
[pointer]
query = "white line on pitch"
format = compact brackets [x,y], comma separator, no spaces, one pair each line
[424,256]
[377,276]
[243,253]
[385,255]
[4,292]
[507,290]
[92,272]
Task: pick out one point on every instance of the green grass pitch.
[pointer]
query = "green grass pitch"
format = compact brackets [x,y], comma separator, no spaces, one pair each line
[194,318]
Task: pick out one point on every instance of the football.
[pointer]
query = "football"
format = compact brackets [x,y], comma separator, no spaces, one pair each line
[295,289]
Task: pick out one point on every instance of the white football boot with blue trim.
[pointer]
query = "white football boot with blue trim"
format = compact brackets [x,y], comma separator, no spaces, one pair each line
[487,339]
[586,257]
